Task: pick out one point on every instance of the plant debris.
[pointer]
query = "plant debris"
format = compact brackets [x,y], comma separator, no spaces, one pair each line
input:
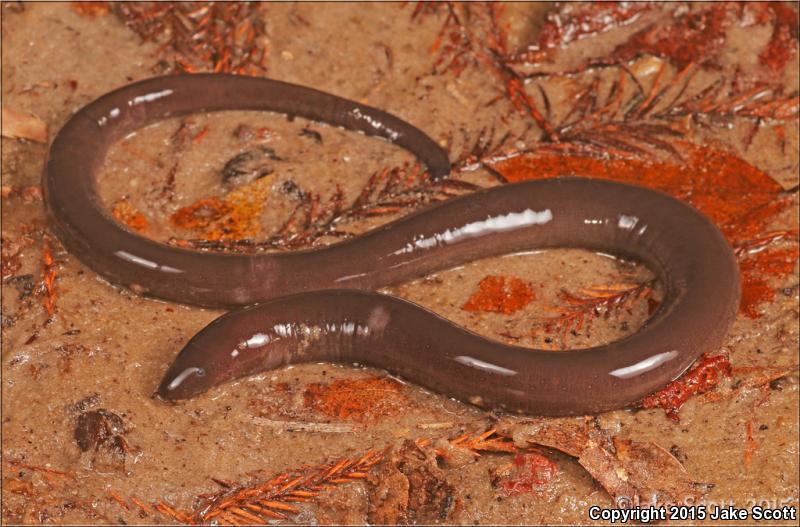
[220,37]
[40,488]
[637,114]
[488,441]
[412,468]
[409,488]
[694,35]
[580,310]
[230,223]
[706,373]
[275,498]
[407,485]
[100,428]
[634,473]
[580,20]
[530,473]
[248,165]
[49,274]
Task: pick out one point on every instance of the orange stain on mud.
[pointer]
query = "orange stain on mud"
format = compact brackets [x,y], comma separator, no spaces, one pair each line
[126,213]
[531,473]
[756,270]
[499,294]
[234,216]
[356,399]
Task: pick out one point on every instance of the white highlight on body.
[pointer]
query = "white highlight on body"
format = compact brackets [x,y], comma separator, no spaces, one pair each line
[283,330]
[358,114]
[113,114]
[492,224]
[292,330]
[478,364]
[149,97]
[257,340]
[595,221]
[348,328]
[645,365]
[144,262]
[349,277]
[177,381]
[532,252]
[627,222]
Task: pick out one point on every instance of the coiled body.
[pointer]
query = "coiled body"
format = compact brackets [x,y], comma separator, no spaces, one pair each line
[331,313]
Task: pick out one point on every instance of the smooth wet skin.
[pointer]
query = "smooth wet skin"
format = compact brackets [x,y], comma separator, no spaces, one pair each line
[218,280]
[331,313]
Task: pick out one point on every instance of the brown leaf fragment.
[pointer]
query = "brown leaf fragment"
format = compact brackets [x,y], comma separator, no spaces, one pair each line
[388,496]
[96,428]
[100,435]
[410,488]
[344,505]
[634,473]
[20,125]
[567,435]
[653,469]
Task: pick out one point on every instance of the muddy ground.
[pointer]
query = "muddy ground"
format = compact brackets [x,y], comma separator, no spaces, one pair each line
[83,441]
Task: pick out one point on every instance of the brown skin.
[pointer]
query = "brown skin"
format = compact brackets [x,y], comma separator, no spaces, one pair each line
[321,322]
[149,267]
